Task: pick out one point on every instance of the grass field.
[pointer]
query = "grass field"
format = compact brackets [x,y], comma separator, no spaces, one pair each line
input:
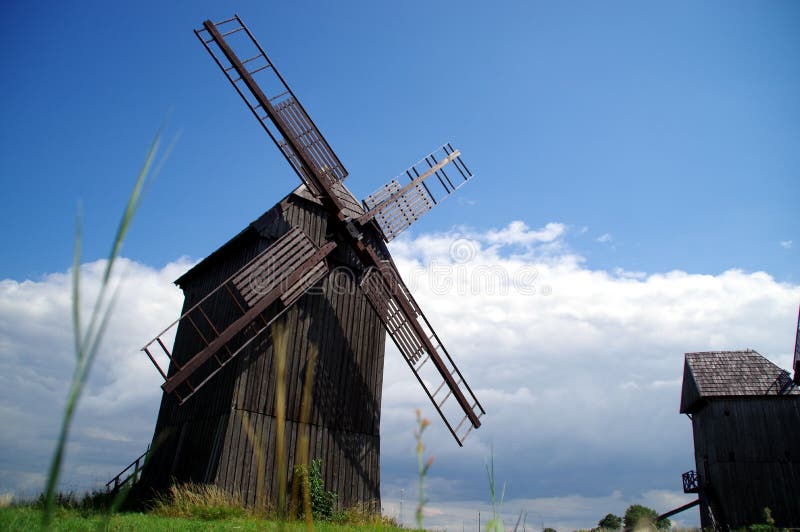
[182,507]
[30,518]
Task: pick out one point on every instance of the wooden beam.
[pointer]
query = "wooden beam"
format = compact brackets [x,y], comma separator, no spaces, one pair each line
[678,510]
[435,168]
[216,344]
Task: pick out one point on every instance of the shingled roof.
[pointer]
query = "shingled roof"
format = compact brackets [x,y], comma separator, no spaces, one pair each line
[731,374]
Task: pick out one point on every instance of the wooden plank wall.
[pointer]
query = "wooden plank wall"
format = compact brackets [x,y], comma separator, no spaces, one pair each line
[746,447]
[207,438]
[186,428]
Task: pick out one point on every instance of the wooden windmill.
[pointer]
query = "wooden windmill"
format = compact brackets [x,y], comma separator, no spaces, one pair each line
[316,262]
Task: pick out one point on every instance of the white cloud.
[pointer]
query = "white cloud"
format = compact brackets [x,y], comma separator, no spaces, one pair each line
[100,434]
[116,414]
[619,272]
[604,238]
[785,244]
[518,232]
[581,386]
[467,201]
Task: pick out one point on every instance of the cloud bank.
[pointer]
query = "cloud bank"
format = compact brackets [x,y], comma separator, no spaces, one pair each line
[117,412]
[579,371]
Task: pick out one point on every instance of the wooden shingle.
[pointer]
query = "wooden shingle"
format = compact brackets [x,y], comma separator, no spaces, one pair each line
[731,374]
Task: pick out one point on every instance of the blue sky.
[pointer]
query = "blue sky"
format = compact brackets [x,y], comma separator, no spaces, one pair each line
[672,128]
[642,158]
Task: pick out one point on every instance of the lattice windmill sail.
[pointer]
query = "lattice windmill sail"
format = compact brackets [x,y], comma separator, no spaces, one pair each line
[224,322]
[395,207]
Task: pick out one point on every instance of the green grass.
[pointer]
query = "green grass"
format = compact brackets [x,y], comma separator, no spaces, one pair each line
[30,518]
[182,507]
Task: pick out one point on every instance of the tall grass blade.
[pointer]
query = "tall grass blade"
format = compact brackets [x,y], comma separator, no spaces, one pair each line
[495,524]
[523,515]
[303,443]
[76,282]
[122,229]
[422,466]
[87,344]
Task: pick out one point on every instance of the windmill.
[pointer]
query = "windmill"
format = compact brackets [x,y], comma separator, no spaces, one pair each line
[274,268]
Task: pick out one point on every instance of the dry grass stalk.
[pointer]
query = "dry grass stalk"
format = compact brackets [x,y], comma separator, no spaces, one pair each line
[303,450]
[204,501]
[280,341]
[256,441]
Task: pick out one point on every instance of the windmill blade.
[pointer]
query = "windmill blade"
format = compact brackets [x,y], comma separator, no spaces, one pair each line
[423,351]
[280,274]
[272,102]
[395,207]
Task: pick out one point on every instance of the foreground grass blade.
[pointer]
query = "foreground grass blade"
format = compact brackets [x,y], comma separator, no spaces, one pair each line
[87,344]
[76,282]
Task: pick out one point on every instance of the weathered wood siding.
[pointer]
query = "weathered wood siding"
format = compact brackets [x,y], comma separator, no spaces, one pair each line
[222,433]
[747,453]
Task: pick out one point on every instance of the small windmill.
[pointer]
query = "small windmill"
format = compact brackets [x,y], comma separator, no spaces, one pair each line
[230,319]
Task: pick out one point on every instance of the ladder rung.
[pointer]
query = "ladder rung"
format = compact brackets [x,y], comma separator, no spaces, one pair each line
[209,41]
[252,58]
[460,423]
[446,397]
[284,93]
[221,22]
[423,363]
[245,61]
[194,325]
[233,297]
[153,360]
[438,389]
[259,69]
[449,393]
[164,348]
[240,28]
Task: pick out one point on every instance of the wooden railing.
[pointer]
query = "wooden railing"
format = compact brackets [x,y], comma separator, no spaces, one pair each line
[130,474]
